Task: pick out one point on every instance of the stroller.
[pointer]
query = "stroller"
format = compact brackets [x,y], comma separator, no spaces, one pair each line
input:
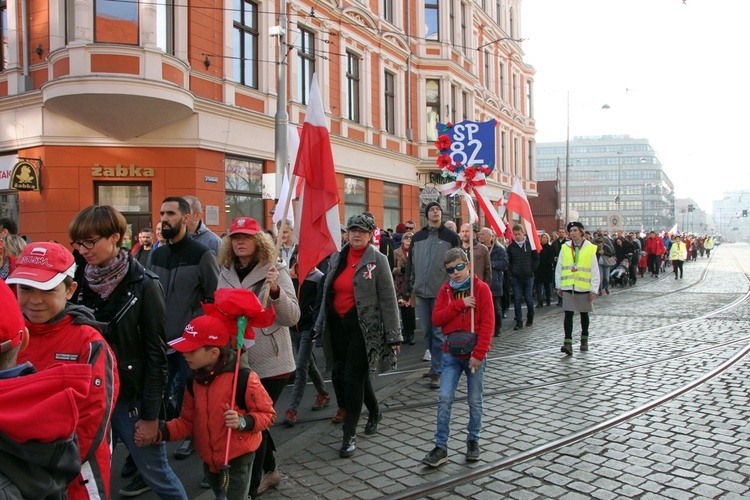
[620,275]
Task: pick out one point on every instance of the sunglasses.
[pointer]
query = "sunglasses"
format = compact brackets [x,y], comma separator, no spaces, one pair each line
[410,228]
[459,267]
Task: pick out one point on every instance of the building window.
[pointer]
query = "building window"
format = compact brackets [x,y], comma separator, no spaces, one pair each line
[431,19]
[487,80]
[116,22]
[464,43]
[504,151]
[529,101]
[352,87]
[388,10]
[4,33]
[530,159]
[306,54]
[391,205]
[517,157]
[390,102]
[242,187]
[498,13]
[512,23]
[245,49]
[432,91]
[165,26]
[454,103]
[502,81]
[355,196]
[465,105]
[515,91]
[452,21]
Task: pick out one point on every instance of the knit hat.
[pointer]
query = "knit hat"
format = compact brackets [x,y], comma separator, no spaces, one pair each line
[401,228]
[202,331]
[43,266]
[11,321]
[430,205]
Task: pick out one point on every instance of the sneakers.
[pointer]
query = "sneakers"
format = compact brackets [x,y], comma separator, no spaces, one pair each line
[290,418]
[567,348]
[204,482]
[427,373]
[427,356]
[434,381]
[437,457]
[519,325]
[584,345]
[269,480]
[472,451]
[136,487]
[339,416]
[185,449]
[606,290]
[321,401]
[372,423]
[348,446]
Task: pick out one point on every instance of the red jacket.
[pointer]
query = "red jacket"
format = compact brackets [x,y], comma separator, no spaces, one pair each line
[452,315]
[68,343]
[655,246]
[202,417]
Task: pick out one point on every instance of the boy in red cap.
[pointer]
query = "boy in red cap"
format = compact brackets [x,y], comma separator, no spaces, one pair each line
[208,409]
[64,333]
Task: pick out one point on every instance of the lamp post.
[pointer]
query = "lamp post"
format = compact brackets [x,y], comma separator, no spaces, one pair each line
[567,166]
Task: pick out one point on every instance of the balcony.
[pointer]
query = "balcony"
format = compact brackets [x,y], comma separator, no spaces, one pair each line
[118,90]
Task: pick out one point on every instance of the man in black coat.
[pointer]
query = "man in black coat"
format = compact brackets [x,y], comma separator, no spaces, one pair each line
[522,261]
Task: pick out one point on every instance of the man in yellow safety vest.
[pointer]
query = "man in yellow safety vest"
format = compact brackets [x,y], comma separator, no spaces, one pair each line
[577,282]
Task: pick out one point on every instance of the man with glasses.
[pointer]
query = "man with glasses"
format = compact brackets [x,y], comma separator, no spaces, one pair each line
[424,275]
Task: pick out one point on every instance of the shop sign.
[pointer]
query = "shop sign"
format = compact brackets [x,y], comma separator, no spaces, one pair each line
[120,171]
[24,177]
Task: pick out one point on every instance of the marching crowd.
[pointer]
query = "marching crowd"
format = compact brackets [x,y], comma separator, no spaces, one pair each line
[139,345]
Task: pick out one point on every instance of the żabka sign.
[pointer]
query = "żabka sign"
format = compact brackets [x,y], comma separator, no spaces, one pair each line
[120,171]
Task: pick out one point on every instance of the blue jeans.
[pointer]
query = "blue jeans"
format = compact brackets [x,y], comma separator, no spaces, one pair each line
[302,342]
[452,369]
[603,277]
[151,460]
[432,333]
[522,293]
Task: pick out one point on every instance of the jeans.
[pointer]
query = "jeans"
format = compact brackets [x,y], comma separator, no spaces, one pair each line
[522,293]
[452,369]
[432,333]
[603,277]
[239,477]
[179,372]
[303,344]
[151,460]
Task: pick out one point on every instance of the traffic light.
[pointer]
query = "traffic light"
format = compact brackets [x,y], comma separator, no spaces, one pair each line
[744,213]
[691,208]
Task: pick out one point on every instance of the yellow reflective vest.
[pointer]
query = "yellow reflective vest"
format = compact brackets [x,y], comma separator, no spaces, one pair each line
[678,251]
[576,273]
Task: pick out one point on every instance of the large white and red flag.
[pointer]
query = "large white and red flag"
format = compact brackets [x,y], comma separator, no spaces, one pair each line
[293,133]
[318,228]
[519,204]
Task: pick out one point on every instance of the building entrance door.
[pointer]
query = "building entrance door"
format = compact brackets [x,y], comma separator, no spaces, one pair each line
[132,200]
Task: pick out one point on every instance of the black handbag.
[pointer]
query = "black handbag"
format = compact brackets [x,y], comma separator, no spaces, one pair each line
[461,343]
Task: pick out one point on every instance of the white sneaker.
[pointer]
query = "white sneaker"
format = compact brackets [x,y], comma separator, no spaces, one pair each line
[427,356]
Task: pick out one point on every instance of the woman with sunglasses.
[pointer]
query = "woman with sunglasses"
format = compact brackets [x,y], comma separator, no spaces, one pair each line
[246,260]
[453,313]
[359,323]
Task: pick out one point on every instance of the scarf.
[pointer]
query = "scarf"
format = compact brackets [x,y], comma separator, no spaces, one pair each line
[204,376]
[104,280]
[461,287]
[5,270]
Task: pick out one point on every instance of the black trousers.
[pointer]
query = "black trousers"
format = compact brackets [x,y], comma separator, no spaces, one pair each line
[351,367]
[264,458]
[409,322]
[677,265]
[653,263]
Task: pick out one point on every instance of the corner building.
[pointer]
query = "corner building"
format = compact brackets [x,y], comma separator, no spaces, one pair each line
[124,103]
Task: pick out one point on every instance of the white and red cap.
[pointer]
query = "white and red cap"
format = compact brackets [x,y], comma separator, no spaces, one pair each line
[244,225]
[200,332]
[43,266]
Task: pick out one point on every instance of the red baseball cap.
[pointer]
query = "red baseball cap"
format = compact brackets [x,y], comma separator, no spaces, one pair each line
[244,225]
[200,332]
[43,266]
[11,320]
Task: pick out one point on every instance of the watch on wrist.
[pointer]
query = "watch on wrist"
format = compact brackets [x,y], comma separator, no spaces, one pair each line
[243,424]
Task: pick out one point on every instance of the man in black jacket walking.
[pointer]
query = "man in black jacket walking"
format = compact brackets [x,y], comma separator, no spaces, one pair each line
[523,260]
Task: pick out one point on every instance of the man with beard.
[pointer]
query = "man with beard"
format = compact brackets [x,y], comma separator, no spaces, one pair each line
[197,227]
[146,240]
[188,272]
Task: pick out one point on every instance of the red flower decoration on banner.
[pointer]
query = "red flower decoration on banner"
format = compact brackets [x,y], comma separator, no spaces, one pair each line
[444,161]
[443,142]
[470,173]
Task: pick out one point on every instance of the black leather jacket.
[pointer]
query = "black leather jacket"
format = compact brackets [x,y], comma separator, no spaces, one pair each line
[135,314]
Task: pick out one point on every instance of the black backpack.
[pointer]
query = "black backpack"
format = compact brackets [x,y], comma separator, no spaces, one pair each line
[239,398]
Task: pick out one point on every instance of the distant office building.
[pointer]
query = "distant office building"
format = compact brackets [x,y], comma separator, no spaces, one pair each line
[613,178]
[690,217]
[731,216]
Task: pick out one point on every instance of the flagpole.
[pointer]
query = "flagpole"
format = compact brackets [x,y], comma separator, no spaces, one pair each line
[277,247]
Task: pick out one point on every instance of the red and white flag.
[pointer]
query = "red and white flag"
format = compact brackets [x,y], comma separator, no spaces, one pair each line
[318,229]
[519,204]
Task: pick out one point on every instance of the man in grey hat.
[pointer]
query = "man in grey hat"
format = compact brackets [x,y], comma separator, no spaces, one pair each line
[424,275]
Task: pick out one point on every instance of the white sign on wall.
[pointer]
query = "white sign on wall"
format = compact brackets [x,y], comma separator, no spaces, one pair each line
[6,166]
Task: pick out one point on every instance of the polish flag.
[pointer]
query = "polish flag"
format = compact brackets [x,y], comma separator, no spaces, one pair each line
[293,134]
[519,204]
[318,231]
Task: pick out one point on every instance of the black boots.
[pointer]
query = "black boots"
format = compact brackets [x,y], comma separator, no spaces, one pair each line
[348,446]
